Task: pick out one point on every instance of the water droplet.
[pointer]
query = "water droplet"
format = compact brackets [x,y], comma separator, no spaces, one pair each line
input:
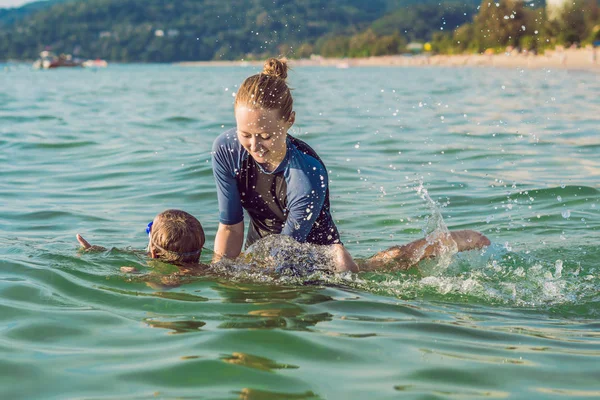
[566,214]
[558,269]
[558,198]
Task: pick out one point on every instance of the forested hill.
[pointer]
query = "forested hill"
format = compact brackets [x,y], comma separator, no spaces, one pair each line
[179,30]
[10,15]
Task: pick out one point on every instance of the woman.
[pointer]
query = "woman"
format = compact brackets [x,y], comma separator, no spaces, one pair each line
[283,185]
[279,180]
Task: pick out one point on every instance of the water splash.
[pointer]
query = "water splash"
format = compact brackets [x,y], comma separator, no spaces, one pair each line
[436,232]
[492,276]
[499,277]
[280,255]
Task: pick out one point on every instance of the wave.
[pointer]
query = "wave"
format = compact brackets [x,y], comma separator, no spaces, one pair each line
[180,120]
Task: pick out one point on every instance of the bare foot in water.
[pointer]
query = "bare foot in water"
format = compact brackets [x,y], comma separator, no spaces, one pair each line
[469,240]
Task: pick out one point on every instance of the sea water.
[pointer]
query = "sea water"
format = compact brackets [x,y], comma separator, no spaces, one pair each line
[511,153]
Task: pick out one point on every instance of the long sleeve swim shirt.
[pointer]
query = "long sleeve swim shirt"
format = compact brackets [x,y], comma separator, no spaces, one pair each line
[292,200]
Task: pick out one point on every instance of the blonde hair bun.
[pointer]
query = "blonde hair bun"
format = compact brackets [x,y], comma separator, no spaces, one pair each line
[276,67]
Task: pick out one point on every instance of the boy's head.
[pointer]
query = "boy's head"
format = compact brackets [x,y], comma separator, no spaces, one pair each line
[176,237]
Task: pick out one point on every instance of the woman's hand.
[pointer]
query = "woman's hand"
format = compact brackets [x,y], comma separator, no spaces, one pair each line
[343,260]
[87,246]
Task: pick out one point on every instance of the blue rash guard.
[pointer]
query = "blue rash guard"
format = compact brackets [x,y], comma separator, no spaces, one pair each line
[292,200]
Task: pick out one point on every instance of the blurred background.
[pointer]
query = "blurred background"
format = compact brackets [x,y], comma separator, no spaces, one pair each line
[200,30]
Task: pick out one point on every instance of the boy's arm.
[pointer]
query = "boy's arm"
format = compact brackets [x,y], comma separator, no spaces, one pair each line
[87,246]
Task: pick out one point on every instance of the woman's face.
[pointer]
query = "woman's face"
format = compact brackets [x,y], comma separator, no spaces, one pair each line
[263,133]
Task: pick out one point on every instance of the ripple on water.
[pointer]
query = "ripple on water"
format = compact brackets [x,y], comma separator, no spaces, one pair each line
[515,320]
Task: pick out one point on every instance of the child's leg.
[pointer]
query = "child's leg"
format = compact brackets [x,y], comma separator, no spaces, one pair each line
[405,256]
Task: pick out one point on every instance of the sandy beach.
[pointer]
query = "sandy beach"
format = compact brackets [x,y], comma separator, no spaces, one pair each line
[584,58]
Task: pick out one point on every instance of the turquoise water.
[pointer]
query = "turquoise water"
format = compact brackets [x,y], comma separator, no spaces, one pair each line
[511,153]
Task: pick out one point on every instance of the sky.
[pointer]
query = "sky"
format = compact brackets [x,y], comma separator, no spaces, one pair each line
[13,3]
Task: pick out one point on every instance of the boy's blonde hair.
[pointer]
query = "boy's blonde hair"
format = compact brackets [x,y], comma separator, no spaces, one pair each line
[177,237]
[268,90]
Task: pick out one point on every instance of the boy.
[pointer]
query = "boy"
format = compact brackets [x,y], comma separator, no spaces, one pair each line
[177,237]
[174,236]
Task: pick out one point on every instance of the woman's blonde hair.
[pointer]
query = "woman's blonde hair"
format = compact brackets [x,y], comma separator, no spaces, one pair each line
[177,237]
[268,90]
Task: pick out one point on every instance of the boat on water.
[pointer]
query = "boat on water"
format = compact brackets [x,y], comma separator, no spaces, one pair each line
[49,60]
[97,63]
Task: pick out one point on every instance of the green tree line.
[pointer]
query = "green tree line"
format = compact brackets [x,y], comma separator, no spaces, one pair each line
[181,30]
[508,23]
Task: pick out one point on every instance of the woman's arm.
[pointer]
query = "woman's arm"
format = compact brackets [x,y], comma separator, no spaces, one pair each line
[228,241]
[225,163]
[307,188]
[343,260]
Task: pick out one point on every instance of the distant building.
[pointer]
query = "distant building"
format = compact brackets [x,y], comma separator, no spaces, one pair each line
[173,32]
[414,47]
[159,33]
[104,34]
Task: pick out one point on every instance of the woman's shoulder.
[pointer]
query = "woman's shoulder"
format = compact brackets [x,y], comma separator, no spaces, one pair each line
[227,150]
[226,138]
[305,155]
[228,145]
[306,166]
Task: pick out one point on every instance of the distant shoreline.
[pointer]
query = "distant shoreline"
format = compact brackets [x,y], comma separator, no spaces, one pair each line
[587,59]
[571,59]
